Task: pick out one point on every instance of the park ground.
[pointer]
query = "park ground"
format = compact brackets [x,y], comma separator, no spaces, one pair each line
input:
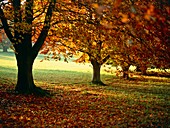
[139,102]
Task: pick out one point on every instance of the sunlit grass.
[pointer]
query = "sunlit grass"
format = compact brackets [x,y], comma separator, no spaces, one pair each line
[50,71]
[139,102]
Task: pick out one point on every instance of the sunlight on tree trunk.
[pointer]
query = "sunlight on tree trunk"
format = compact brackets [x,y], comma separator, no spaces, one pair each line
[96,72]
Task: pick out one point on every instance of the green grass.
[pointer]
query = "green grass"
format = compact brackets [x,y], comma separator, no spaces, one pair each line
[57,71]
[140,102]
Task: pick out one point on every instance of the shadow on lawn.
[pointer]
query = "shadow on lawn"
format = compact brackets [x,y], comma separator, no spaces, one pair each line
[142,85]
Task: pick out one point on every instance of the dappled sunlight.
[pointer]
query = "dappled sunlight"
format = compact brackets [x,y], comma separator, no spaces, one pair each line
[80,103]
[76,101]
[7,60]
[7,63]
[70,63]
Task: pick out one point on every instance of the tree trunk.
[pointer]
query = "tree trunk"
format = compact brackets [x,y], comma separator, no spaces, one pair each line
[125,72]
[25,82]
[5,49]
[96,73]
[143,70]
[138,69]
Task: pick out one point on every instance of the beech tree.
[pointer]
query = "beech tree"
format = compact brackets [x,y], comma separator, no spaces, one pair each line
[84,30]
[93,45]
[19,21]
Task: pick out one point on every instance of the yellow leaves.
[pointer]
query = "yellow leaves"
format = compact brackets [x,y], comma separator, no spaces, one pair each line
[104,45]
[44,51]
[23,27]
[124,17]
[147,17]
[67,1]
[95,5]
[99,8]
[21,118]
[72,45]
[83,58]
[83,11]
[107,24]
[94,44]
[149,12]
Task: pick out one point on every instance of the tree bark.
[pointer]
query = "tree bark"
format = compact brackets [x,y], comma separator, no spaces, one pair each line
[138,69]
[25,81]
[142,69]
[96,72]
[125,72]
[5,48]
[25,52]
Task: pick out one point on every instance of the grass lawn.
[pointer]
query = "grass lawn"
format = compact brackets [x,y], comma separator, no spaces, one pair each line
[141,102]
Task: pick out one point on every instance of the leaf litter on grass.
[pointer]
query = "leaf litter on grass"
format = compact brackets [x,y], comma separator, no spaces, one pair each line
[83,105]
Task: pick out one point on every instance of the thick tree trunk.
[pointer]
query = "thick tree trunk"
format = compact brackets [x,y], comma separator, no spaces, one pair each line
[96,73]
[25,82]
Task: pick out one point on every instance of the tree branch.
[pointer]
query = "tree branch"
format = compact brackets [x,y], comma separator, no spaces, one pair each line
[5,26]
[40,41]
[105,59]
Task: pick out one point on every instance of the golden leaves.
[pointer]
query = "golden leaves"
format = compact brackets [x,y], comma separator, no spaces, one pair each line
[124,17]
[149,12]
[119,104]
[95,5]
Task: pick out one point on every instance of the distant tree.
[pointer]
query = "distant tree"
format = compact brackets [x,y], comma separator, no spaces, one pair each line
[152,35]
[4,41]
[84,30]
[145,40]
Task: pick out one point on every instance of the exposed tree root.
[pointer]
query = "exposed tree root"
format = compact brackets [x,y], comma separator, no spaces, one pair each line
[98,83]
[35,91]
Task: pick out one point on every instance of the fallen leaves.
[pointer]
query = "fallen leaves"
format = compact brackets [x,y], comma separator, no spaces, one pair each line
[85,106]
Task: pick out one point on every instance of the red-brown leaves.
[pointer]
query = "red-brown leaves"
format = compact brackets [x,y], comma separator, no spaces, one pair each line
[121,104]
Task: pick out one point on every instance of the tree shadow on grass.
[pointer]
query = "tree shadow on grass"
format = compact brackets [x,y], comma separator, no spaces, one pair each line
[144,89]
